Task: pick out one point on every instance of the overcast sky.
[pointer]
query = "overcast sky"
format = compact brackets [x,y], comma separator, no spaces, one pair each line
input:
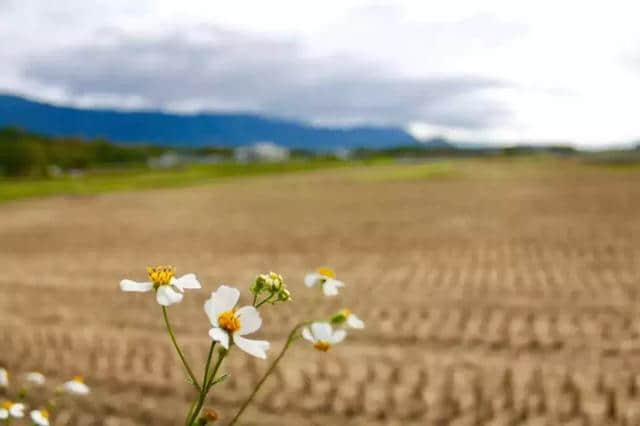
[497,71]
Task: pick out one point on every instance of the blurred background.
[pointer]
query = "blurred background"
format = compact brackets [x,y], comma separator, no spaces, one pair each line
[470,170]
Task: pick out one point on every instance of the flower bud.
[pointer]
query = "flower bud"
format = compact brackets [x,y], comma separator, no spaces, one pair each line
[340,317]
[284,295]
[208,416]
[272,287]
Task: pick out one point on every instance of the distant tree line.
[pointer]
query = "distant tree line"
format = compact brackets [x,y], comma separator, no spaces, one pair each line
[27,154]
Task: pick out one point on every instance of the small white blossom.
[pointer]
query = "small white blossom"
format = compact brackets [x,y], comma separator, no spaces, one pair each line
[4,378]
[40,417]
[351,319]
[323,336]
[169,289]
[76,386]
[35,378]
[326,278]
[230,325]
[11,409]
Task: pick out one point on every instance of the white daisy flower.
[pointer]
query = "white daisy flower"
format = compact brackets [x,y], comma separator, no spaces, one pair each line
[40,417]
[11,409]
[230,325]
[4,378]
[322,335]
[76,386]
[326,277]
[348,317]
[35,378]
[169,289]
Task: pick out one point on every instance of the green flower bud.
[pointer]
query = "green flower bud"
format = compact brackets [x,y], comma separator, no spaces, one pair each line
[340,317]
[284,295]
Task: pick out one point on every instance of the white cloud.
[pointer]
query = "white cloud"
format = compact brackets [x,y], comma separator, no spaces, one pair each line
[492,70]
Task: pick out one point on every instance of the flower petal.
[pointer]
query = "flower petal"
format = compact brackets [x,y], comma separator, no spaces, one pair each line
[167,296]
[330,287]
[128,285]
[219,335]
[35,378]
[17,410]
[4,413]
[312,279]
[321,331]
[38,418]
[225,298]
[306,334]
[188,281]
[74,386]
[257,348]
[211,309]
[221,300]
[4,378]
[338,336]
[250,320]
[354,322]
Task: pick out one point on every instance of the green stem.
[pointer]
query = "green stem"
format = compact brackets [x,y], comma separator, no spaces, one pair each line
[190,413]
[265,300]
[272,367]
[206,385]
[216,367]
[205,379]
[180,354]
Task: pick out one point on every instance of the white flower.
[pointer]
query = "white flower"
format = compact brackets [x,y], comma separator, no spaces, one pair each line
[169,289]
[40,417]
[35,378]
[322,335]
[76,386]
[11,409]
[325,277]
[4,378]
[231,324]
[352,319]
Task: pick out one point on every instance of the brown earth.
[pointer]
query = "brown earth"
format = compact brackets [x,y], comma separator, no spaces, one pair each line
[497,293]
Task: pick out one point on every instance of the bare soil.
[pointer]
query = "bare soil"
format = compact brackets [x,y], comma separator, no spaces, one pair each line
[502,294]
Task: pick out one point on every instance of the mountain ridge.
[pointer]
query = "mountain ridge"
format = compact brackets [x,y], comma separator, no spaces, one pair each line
[188,130]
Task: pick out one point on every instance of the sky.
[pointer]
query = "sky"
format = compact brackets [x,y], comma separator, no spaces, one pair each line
[478,71]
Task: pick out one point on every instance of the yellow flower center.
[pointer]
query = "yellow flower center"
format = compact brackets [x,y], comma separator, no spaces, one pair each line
[78,379]
[327,272]
[161,275]
[321,345]
[44,413]
[229,321]
[6,404]
[345,312]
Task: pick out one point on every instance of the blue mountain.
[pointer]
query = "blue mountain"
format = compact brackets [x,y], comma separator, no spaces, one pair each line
[195,130]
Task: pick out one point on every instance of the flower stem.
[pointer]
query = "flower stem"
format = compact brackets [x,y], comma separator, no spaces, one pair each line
[180,354]
[205,379]
[272,367]
[190,413]
[216,367]
[206,384]
[265,300]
